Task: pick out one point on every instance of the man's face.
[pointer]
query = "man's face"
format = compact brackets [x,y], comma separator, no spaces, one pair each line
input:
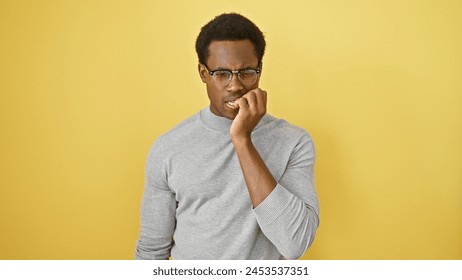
[228,55]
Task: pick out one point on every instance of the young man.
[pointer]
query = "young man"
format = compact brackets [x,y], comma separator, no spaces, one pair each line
[230,182]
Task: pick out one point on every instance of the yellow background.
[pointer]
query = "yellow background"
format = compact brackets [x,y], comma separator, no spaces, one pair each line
[86,87]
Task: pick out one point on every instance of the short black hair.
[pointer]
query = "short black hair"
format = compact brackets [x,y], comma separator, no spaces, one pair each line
[229,27]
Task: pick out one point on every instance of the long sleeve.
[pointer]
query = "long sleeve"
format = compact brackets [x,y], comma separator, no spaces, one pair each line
[158,209]
[289,216]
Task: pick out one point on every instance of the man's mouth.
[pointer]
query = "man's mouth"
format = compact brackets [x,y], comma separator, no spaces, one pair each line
[232,104]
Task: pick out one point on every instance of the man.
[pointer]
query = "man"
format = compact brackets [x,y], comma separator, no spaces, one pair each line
[230,182]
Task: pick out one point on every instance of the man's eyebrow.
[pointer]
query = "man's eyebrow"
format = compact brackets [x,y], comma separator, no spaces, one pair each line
[222,68]
[243,68]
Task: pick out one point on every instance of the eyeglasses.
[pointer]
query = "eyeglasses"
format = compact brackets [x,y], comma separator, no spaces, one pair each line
[223,77]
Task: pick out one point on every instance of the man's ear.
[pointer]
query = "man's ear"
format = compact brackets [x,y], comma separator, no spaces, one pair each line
[202,71]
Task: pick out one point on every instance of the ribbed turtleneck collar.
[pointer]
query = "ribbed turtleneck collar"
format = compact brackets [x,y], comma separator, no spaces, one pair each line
[221,123]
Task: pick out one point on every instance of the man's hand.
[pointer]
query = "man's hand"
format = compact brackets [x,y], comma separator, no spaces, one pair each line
[252,108]
[259,181]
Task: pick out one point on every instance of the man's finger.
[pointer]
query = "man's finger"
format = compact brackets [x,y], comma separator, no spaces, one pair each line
[242,103]
[252,100]
[261,101]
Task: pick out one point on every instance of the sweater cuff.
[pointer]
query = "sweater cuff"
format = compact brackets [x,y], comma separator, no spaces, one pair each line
[273,206]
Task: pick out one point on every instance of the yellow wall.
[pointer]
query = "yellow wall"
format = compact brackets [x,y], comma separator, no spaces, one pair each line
[86,87]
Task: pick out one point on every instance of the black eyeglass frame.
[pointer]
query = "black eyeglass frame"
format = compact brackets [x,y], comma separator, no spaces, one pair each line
[238,72]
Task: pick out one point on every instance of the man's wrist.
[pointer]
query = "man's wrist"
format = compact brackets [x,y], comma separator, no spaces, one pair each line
[241,140]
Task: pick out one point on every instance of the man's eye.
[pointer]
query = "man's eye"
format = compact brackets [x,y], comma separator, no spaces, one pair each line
[221,74]
[248,73]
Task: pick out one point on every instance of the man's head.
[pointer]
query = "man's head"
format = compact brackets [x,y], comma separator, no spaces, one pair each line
[229,42]
[229,27]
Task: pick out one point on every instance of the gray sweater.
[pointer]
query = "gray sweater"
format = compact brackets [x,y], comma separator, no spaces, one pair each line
[196,204]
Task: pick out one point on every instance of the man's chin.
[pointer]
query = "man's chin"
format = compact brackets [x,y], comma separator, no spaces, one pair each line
[225,112]
[230,116]
[230,113]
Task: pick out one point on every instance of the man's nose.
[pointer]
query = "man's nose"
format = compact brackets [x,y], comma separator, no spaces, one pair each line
[235,84]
